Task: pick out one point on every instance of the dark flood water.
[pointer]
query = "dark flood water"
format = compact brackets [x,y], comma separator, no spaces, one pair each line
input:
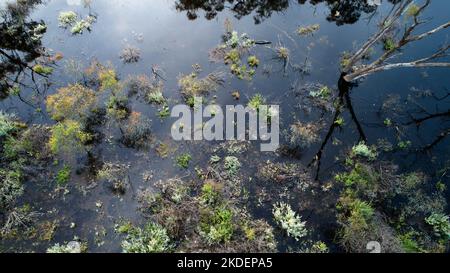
[175,35]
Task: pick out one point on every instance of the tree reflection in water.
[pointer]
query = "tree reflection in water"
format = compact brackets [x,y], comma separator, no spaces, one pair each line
[341,12]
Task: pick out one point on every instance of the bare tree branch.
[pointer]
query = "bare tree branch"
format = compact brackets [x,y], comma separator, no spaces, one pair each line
[353,71]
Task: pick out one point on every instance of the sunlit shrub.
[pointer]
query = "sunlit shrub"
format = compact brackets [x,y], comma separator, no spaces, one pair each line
[361,149]
[71,247]
[216,226]
[151,239]
[67,18]
[7,124]
[10,187]
[183,160]
[63,176]
[232,165]
[41,69]
[84,24]
[193,86]
[441,225]
[72,102]
[108,79]
[289,221]
[68,137]
[210,193]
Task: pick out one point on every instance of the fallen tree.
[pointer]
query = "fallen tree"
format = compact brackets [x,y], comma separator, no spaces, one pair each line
[354,68]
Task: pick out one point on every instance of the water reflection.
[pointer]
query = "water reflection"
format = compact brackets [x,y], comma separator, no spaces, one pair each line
[341,12]
[20,43]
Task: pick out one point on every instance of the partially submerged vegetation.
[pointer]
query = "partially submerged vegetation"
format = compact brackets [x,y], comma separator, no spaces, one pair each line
[99,149]
[69,19]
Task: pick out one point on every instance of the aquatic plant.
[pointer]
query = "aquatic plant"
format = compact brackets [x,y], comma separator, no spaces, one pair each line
[282,52]
[387,122]
[256,101]
[232,165]
[345,59]
[183,160]
[7,124]
[108,79]
[441,225]
[289,221]
[67,18]
[156,96]
[164,111]
[361,149]
[115,176]
[404,144]
[389,44]
[10,187]
[319,247]
[151,239]
[191,86]
[72,102]
[284,173]
[308,30]
[231,52]
[253,61]
[323,92]
[136,131]
[18,219]
[217,226]
[85,24]
[340,121]
[362,178]
[63,176]
[43,70]
[71,247]
[355,216]
[130,55]
[210,193]
[304,134]
[28,143]
[233,41]
[68,137]
[117,107]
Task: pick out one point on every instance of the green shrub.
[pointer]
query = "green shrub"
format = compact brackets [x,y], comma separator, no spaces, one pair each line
[289,221]
[68,137]
[151,239]
[362,178]
[232,165]
[183,160]
[71,247]
[441,225]
[63,176]
[44,70]
[409,244]
[253,61]
[256,101]
[210,193]
[67,18]
[217,226]
[72,102]
[10,187]
[7,124]
[362,150]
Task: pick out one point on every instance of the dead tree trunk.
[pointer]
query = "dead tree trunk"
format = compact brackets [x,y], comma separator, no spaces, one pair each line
[355,69]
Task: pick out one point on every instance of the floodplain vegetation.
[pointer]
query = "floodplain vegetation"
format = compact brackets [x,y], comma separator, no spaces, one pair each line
[231,202]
